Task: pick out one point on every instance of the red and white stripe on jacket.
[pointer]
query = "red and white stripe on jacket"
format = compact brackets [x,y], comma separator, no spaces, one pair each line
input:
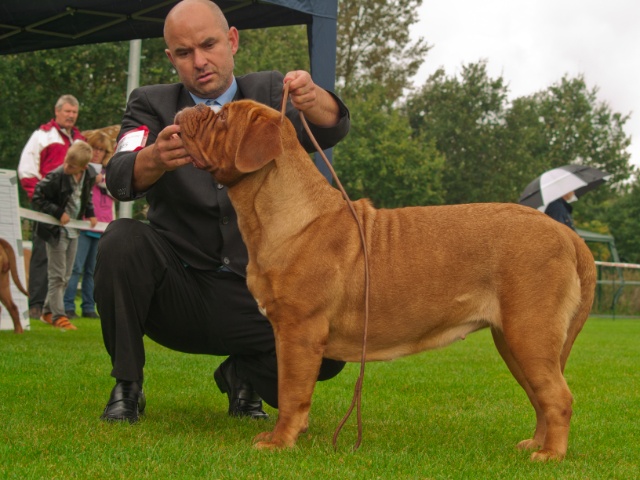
[44,151]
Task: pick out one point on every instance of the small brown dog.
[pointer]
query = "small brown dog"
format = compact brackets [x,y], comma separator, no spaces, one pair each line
[437,273]
[8,267]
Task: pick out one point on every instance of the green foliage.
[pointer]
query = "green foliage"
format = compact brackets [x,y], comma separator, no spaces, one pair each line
[574,127]
[622,214]
[383,160]
[95,74]
[280,48]
[374,47]
[466,117]
[494,148]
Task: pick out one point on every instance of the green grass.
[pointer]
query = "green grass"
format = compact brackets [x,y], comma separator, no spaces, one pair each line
[453,413]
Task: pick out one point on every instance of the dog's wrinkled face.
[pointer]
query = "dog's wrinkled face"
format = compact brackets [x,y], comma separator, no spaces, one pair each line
[241,138]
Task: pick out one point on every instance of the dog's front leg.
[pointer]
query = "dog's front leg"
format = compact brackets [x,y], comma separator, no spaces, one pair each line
[299,359]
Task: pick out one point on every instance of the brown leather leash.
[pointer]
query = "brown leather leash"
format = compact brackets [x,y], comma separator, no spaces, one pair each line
[357,394]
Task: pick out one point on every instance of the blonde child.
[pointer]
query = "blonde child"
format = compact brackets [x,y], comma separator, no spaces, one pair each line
[65,193]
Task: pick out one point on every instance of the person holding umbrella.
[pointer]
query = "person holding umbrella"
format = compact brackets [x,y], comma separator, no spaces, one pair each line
[552,191]
[560,209]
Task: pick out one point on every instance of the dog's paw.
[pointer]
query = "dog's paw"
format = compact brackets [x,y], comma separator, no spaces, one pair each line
[267,441]
[262,437]
[529,444]
[546,456]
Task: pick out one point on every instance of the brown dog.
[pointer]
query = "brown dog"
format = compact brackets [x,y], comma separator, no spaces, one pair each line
[8,267]
[437,273]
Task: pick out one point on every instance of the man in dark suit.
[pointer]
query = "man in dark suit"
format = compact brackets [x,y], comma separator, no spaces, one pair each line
[181,279]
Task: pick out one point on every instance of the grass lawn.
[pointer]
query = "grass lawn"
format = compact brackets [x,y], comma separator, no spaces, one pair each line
[452,413]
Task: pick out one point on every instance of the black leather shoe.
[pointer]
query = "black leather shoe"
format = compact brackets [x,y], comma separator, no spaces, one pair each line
[243,401]
[126,403]
[71,314]
[90,315]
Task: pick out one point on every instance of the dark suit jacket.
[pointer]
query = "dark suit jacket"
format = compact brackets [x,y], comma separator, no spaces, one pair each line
[186,206]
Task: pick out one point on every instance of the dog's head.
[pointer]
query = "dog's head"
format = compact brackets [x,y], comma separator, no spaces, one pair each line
[241,138]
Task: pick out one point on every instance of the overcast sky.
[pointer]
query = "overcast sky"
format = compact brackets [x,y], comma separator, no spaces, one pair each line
[532,44]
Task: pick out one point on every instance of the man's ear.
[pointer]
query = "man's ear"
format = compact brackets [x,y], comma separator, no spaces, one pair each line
[260,144]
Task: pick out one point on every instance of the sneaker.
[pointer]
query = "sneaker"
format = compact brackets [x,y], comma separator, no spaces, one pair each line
[89,315]
[64,324]
[35,312]
[71,314]
[47,318]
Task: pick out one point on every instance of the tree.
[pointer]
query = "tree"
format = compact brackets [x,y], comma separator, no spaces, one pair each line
[576,127]
[277,48]
[383,160]
[494,148]
[466,119]
[374,45]
[622,214]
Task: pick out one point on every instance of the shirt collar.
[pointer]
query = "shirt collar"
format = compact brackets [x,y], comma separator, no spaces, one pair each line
[226,97]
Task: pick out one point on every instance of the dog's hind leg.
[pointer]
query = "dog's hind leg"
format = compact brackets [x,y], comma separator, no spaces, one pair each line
[7,301]
[541,427]
[299,359]
[537,355]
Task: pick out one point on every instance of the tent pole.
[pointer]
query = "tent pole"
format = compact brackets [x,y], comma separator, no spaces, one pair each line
[133,81]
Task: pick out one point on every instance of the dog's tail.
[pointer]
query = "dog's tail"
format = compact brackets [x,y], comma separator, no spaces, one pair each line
[586,269]
[13,267]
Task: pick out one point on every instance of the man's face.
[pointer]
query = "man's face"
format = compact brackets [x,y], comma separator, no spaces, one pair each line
[66,116]
[201,51]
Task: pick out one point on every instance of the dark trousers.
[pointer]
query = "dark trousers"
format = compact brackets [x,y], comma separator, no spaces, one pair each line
[143,288]
[38,279]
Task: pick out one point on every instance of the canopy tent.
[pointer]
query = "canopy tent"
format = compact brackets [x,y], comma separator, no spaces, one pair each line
[44,24]
[39,25]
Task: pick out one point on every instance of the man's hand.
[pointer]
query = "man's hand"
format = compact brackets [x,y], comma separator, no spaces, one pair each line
[166,154]
[318,106]
[64,219]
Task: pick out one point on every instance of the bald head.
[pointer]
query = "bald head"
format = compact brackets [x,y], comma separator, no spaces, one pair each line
[189,8]
[201,46]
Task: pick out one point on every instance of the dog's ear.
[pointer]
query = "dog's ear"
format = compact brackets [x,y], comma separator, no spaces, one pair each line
[260,144]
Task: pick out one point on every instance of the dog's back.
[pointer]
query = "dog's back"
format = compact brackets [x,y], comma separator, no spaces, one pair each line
[451,270]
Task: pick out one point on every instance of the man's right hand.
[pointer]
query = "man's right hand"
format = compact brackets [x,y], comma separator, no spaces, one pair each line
[166,154]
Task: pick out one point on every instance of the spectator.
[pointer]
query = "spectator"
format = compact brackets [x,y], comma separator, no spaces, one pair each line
[45,151]
[560,209]
[104,209]
[65,193]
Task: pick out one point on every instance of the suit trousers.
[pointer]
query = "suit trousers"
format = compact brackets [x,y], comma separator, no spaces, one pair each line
[143,288]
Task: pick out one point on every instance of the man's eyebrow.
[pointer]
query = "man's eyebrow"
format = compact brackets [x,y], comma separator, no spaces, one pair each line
[208,41]
[179,50]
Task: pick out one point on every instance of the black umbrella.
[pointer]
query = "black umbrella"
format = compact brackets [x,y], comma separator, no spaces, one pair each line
[557,182]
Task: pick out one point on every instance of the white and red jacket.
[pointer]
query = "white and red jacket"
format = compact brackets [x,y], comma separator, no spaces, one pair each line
[44,151]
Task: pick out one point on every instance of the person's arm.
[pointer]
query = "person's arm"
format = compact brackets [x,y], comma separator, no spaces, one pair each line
[318,105]
[29,165]
[322,106]
[131,173]
[43,198]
